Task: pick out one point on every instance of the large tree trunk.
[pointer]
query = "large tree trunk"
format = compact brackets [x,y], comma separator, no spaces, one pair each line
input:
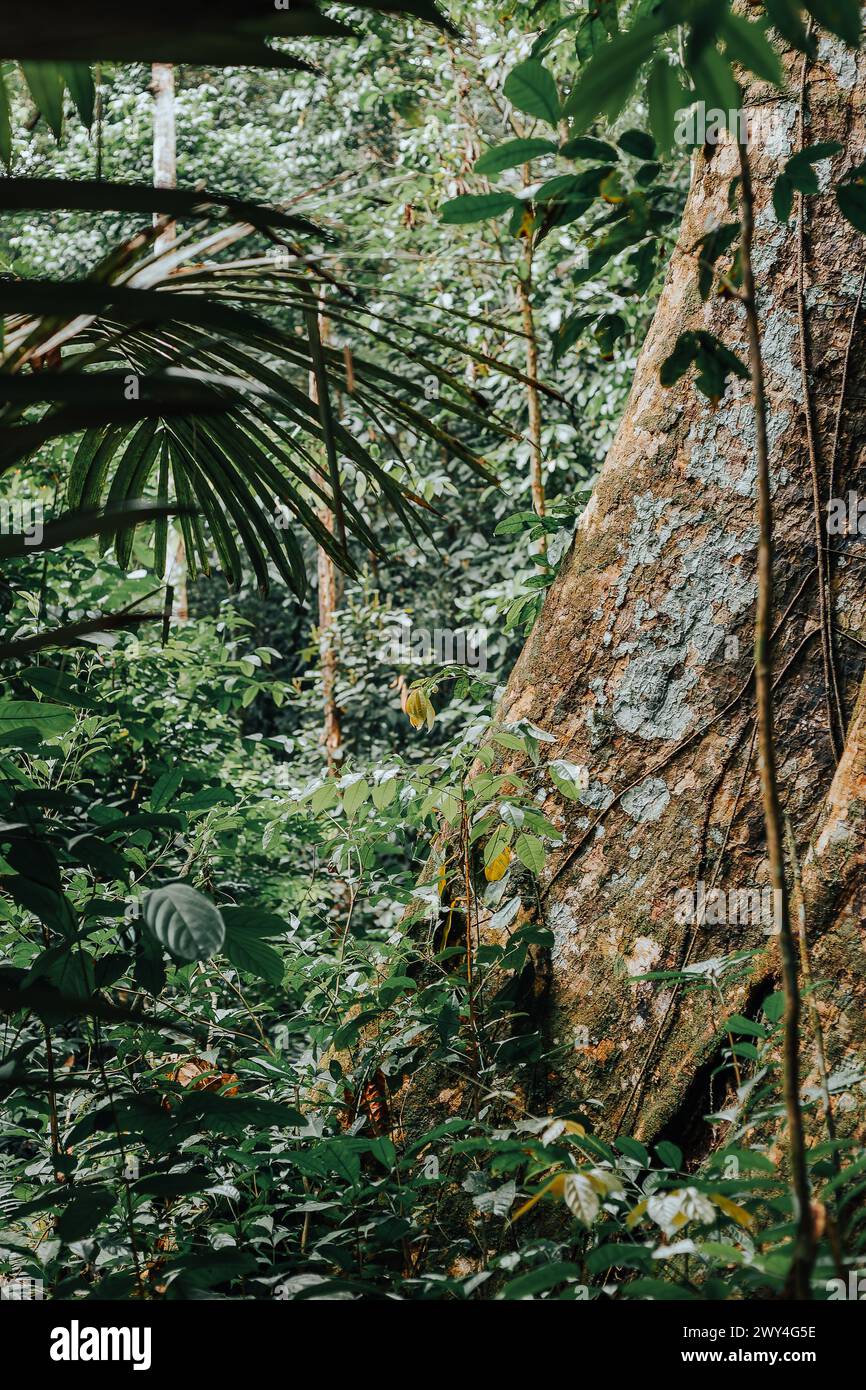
[641,665]
[640,662]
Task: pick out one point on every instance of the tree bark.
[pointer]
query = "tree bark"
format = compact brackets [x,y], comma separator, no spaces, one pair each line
[332,732]
[641,664]
[632,666]
[164,142]
[165,176]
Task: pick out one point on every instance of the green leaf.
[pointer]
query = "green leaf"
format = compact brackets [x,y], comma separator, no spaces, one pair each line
[841,17]
[477,207]
[68,967]
[91,851]
[747,44]
[607,79]
[324,797]
[632,1148]
[84,1213]
[612,187]
[499,840]
[168,1185]
[786,18]
[5,125]
[851,198]
[60,688]
[799,168]
[530,851]
[620,1256]
[355,795]
[46,88]
[541,1279]
[53,909]
[207,798]
[384,793]
[568,333]
[255,957]
[90,195]
[657,1289]
[518,521]
[670,1155]
[665,97]
[253,921]
[184,921]
[609,328]
[637,143]
[569,778]
[531,88]
[547,36]
[189,1272]
[712,245]
[590,37]
[164,789]
[714,81]
[49,720]
[643,263]
[512,153]
[588,147]
[738,1024]
[79,80]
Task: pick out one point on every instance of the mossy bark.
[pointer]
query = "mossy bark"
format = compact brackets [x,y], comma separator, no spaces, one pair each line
[641,665]
[641,658]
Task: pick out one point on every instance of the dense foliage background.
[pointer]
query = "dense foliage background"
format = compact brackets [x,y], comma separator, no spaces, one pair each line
[266,935]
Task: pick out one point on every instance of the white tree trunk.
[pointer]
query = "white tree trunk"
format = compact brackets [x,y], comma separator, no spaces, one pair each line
[165,176]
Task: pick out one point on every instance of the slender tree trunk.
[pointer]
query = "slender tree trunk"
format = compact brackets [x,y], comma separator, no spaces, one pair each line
[332,733]
[165,176]
[641,665]
[164,141]
[533,400]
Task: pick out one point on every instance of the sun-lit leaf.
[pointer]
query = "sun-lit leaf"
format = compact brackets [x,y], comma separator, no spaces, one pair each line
[512,153]
[184,921]
[532,89]
[477,207]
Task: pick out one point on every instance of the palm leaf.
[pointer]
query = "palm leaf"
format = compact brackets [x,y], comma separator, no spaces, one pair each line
[219,356]
[207,32]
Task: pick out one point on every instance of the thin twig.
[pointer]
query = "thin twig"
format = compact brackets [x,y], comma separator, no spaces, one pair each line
[833,1227]
[798,1283]
[124,1177]
[832,699]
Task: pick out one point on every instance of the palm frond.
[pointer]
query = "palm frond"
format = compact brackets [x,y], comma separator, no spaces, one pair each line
[209,32]
[189,376]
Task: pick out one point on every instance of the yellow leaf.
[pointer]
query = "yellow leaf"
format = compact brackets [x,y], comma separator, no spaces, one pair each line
[527,222]
[603,1181]
[554,1188]
[419,709]
[736,1213]
[495,870]
[611,188]
[635,1215]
